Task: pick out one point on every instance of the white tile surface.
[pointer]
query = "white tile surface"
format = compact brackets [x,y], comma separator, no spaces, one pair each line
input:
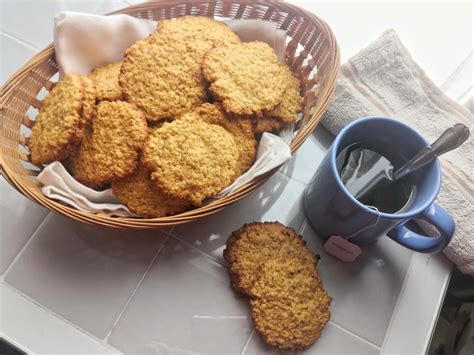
[32,21]
[86,274]
[19,218]
[364,292]
[184,305]
[333,340]
[416,314]
[305,162]
[279,199]
[83,273]
[35,330]
[107,6]
[14,54]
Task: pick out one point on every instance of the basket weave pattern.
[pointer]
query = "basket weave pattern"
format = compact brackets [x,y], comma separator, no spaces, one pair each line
[312,53]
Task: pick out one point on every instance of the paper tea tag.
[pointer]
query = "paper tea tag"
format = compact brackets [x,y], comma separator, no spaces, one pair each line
[342,249]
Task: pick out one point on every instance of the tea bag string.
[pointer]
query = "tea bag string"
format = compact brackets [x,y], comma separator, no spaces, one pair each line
[368,226]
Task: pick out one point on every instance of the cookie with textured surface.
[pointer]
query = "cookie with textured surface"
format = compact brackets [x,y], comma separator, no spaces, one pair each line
[105,80]
[111,146]
[190,159]
[88,104]
[162,74]
[268,124]
[138,192]
[57,128]
[291,103]
[289,305]
[247,78]
[253,244]
[240,128]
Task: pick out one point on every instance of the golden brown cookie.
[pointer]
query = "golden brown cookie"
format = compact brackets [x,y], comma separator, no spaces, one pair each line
[240,128]
[191,160]
[292,307]
[253,244]
[291,103]
[247,77]
[57,128]
[139,194]
[162,74]
[268,124]
[199,32]
[88,104]
[111,146]
[283,277]
[106,83]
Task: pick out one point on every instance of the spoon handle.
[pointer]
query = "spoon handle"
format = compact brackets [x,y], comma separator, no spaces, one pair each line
[452,138]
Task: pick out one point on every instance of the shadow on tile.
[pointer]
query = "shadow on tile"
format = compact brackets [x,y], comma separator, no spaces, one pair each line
[279,199]
[364,292]
[83,273]
[333,340]
[183,306]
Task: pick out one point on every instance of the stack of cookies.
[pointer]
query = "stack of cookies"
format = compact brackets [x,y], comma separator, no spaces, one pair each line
[174,123]
[270,264]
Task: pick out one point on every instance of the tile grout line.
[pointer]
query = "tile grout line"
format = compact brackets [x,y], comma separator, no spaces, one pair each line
[400,295]
[303,226]
[17,256]
[301,230]
[61,318]
[96,7]
[247,342]
[12,37]
[202,252]
[355,335]
[150,265]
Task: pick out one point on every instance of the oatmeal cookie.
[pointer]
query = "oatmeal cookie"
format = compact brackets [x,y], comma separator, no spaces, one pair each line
[111,146]
[240,128]
[247,78]
[106,83]
[290,307]
[162,74]
[253,244]
[57,128]
[291,103]
[139,194]
[191,160]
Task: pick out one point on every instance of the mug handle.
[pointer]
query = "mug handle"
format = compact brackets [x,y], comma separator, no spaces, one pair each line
[437,216]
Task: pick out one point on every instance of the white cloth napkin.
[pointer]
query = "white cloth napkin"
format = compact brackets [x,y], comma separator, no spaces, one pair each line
[383,79]
[60,185]
[83,42]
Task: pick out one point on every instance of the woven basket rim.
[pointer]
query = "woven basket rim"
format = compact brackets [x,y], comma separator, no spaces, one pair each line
[9,87]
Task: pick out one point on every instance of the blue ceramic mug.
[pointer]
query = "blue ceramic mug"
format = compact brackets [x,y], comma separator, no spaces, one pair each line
[331,209]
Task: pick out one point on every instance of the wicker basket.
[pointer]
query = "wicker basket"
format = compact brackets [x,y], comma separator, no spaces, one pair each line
[312,52]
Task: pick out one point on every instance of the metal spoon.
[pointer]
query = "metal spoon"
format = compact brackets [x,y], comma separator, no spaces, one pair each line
[451,139]
[380,171]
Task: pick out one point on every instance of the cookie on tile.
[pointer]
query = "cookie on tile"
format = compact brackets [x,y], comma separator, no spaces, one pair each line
[289,305]
[162,74]
[247,78]
[191,160]
[284,276]
[240,128]
[138,192]
[106,83]
[111,146]
[255,243]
